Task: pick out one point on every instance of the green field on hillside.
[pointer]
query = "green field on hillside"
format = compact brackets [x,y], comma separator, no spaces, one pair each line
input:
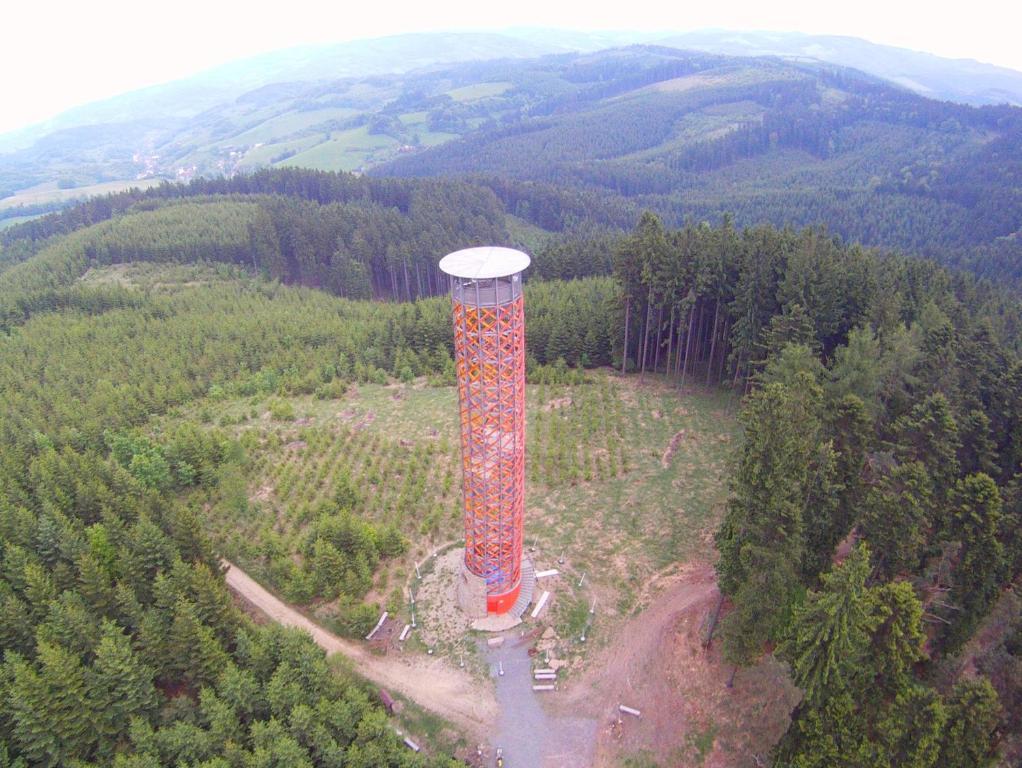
[283,126]
[479,91]
[345,151]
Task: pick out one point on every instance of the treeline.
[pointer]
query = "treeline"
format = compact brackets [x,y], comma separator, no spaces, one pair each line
[874,515]
[549,207]
[121,644]
[353,250]
[351,236]
[711,301]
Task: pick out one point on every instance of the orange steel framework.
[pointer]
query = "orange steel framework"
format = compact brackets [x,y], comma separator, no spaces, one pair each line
[489,345]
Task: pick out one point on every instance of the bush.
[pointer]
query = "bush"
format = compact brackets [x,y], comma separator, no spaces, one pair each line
[282,410]
[356,619]
[333,390]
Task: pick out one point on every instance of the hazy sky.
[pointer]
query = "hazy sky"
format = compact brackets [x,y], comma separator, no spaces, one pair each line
[55,55]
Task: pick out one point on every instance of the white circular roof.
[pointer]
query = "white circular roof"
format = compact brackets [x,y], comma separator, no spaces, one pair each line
[484,263]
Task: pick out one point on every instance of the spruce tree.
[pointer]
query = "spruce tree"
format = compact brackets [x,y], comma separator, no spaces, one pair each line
[49,706]
[120,687]
[831,631]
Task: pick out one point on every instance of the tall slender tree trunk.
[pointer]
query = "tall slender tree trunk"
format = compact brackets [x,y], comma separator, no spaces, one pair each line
[645,333]
[659,338]
[713,341]
[624,346]
[408,287]
[688,342]
[418,280]
[723,349]
[738,370]
[713,622]
[678,355]
[700,333]
[670,343]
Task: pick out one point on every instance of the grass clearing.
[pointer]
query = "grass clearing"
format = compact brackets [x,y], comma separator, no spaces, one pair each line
[51,193]
[11,221]
[600,493]
[283,126]
[344,151]
[479,91]
[163,277]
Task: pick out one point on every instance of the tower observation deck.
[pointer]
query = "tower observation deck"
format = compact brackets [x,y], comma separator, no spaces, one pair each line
[489,354]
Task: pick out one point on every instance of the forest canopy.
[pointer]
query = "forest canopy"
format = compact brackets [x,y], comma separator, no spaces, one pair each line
[873,520]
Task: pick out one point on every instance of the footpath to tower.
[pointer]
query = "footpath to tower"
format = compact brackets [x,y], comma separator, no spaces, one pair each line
[429,682]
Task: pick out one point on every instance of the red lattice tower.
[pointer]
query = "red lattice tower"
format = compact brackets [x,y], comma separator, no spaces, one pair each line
[489,349]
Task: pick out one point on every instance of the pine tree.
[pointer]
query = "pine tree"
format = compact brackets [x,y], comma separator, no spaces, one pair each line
[973,715]
[94,584]
[193,652]
[50,710]
[981,560]
[119,686]
[840,485]
[856,370]
[15,633]
[929,435]
[39,590]
[769,485]
[831,631]
[909,729]
[896,517]
[897,642]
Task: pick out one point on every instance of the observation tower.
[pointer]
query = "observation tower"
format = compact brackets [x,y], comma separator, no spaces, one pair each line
[489,354]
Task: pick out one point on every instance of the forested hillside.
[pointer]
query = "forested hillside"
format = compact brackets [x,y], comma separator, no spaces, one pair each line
[690,135]
[874,513]
[113,608]
[694,136]
[873,521]
[121,644]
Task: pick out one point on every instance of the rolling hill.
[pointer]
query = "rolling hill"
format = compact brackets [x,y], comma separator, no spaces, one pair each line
[689,134]
[963,80]
[693,136]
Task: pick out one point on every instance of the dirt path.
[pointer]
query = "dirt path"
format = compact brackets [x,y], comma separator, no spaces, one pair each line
[621,670]
[429,682]
[633,669]
[656,663]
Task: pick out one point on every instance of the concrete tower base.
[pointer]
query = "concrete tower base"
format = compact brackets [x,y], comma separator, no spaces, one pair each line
[471,593]
[474,602]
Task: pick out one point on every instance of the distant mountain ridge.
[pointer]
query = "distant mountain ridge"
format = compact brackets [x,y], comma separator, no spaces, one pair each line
[781,137]
[963,80]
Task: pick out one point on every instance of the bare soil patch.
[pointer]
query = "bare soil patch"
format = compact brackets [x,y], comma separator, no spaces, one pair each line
[672,447]
[557,403]
[264,494]
[440,617]
[656,663]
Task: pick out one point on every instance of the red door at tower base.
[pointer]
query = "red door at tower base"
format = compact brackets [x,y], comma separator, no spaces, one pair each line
[503,603]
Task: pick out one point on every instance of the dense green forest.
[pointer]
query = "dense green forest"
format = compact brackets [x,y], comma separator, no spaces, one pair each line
[874,513]
[104,551]
[882,413]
